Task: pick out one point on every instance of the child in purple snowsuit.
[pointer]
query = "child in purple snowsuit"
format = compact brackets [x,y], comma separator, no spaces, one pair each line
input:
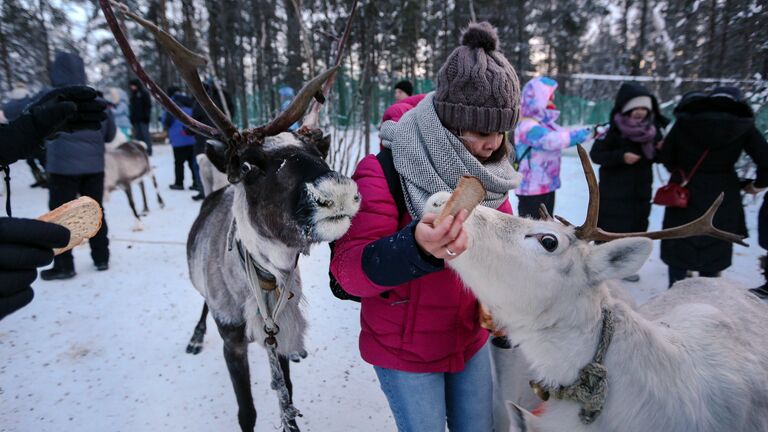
[539,142]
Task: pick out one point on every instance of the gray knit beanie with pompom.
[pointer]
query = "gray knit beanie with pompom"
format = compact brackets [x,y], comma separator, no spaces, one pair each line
[477,88]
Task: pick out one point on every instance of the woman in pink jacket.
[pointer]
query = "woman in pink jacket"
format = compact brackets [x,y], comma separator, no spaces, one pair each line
[420,326]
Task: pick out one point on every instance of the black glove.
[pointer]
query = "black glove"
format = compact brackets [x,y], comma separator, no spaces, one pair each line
[67,109]
[25,245]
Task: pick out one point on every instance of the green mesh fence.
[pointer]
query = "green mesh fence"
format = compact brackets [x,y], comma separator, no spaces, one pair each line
[574,109]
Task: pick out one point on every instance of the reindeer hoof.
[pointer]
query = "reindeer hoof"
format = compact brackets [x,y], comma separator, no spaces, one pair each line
[194,347]
[297,356]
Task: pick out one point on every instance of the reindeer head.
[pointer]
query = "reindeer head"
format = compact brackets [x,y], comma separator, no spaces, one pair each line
[283,184]
[522,267]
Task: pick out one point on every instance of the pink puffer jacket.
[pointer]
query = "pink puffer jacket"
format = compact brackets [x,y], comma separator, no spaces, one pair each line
[429,324]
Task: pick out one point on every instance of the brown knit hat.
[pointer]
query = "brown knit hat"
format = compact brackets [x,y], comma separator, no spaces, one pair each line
[477,88]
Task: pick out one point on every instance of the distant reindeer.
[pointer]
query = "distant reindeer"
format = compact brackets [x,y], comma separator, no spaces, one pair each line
[125,164]
[211,179]
[244,246]
[694,358]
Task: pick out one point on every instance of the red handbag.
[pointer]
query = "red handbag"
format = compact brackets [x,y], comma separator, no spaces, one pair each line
[674,194]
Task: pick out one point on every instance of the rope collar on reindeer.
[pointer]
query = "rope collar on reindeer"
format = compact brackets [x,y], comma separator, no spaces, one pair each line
[267,284]
[591,387]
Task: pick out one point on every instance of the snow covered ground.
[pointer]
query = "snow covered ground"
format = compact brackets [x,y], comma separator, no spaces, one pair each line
[105,350]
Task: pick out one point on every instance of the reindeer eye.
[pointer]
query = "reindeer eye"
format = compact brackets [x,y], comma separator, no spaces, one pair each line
[548,242]
[245,168]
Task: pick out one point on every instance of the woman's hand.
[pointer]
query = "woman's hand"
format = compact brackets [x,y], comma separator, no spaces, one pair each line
[631,158]
[445,241]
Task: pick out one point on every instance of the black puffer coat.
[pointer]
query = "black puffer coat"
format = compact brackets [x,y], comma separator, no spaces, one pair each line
[625,190]
[726,127]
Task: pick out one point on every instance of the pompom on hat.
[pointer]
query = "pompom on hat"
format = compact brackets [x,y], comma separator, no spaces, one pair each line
[477,89]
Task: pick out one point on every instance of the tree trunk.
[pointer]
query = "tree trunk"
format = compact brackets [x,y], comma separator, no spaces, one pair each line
[294,76]
[723,39]
[44,33]
[188,24]
[710,63]
[640,46]
[521,45]
[4,58]
[157,13]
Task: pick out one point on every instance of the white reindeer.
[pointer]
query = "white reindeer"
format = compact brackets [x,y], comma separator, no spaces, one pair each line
[694,358]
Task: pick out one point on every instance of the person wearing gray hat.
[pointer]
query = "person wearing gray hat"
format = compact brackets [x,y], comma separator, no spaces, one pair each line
[421,329]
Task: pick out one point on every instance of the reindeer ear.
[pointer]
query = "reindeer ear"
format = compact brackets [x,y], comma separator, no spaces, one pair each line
[216,153]
[315,137]
[324,145]
[618,258]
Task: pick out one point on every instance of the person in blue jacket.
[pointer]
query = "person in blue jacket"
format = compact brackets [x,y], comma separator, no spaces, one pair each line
[182,142]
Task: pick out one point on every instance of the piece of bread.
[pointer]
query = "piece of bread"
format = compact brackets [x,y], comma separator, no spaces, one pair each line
[467,195]
[82,217]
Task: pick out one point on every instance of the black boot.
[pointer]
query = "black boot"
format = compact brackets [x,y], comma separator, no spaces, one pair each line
[57,274]
[762,290]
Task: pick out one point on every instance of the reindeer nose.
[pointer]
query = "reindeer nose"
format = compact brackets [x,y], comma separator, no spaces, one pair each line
[336,192]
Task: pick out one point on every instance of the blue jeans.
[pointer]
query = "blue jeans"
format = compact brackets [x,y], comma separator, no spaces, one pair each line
[421,402]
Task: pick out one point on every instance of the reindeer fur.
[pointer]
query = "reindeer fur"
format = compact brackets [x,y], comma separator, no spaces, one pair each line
[694,358]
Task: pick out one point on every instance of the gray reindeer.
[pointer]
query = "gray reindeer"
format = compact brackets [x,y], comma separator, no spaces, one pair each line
[125,164]
[244,246]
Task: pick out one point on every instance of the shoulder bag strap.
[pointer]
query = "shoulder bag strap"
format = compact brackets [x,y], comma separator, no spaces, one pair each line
[695,168]
[393,179]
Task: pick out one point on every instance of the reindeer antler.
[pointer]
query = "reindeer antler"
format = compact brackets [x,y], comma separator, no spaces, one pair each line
[185,60]
[544,213]
[590,231]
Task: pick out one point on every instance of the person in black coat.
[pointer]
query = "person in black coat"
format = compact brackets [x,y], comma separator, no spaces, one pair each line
[625,155]
[12,110]
[722,125]
[75,166]
[140,110]
[26,244]
[762,233]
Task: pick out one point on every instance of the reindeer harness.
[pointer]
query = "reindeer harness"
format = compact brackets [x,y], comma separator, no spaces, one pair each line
[262,284]
[591,387]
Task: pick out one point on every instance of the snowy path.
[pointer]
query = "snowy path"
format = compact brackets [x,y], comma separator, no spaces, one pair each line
[105,350]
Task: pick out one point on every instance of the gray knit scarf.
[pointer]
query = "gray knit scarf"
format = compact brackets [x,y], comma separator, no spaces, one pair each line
[430,159]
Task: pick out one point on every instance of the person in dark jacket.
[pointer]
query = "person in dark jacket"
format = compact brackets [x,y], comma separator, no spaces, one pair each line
[12,109]
[625,155]
[715,128]
[762,233]
[199,114]
[27,244]
[182,142]
[140,109]
[75,167]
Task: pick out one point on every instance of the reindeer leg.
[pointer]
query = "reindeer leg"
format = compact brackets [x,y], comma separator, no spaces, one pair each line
[285,365]
[129,194]
[236,356]
[160,201]
[144,198]
[196,342]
